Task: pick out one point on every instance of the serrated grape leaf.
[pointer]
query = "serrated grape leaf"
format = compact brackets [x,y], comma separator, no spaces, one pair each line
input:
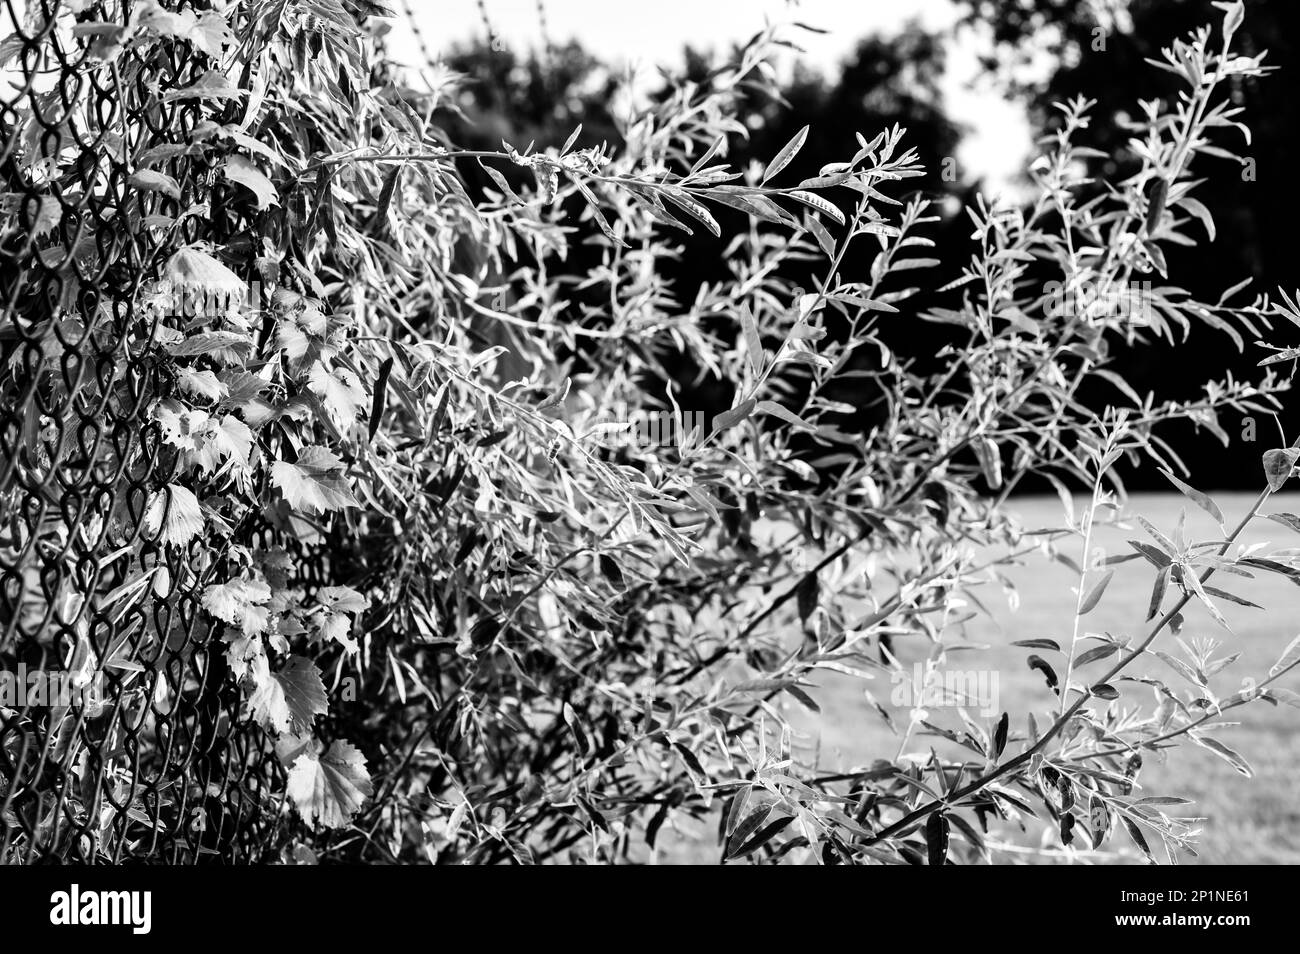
[332,622]
[226,439]
[201,384]
[239,602]
[329,788]
[174,515]
[340,392]
[49,214]
[266,703]
[315,483]
[303,691]
[211,34]
[343,599]
[242,651]
[225,346]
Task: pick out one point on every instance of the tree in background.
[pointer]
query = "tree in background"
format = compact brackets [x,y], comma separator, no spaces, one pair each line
[539,95]
[1103,50]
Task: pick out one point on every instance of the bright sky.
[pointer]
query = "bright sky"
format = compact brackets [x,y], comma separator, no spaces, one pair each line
[646,34]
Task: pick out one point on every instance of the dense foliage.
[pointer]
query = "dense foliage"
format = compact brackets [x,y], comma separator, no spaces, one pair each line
[550,608]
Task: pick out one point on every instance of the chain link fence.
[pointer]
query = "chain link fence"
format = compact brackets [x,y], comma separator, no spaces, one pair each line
[119,733]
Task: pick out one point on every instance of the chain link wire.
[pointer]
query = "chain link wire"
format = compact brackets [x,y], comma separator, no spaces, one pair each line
[159,767]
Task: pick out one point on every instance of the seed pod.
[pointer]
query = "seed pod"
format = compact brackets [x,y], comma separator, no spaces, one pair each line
[936,838]
[1067,828]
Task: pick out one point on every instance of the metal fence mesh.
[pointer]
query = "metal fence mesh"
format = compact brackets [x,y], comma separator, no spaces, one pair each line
[162,770]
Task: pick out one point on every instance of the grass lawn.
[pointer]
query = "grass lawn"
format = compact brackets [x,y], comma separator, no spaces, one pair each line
[1246,820]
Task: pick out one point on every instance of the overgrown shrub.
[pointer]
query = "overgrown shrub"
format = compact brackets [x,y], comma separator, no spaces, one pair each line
[490,619]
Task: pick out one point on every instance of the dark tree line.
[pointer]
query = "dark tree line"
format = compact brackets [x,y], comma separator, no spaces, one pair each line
[542,96]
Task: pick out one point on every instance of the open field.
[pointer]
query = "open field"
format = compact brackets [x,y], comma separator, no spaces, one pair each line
[1247,820]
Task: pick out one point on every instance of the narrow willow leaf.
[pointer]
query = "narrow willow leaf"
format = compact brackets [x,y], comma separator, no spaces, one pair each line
[785,414]
[817,202]
[753,343]
[575,726]
[787,153]
[747,827]
[1230,597]
[1286,696]
[1156,204]
[1133,832]
[1278,464]
[1201,500]
[385,200]
[1097,652]
[1000,735]
[1038,644]
[381,393]
[691,759]
[1158,592]
[1231,756]
[1180,667]
[729,419]
[805,700]
[594,204]
[573,137]
[1094,595]
[709,153]
[1201,212]
[501,183]
[764,836]
[936,838]
[1165,543]
[697,211]
[737,809]
[1286,354]
[1290,656]
[1194,582]
[1157,558]
[808,595]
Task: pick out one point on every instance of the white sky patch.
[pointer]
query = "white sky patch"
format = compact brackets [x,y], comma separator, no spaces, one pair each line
[998,140]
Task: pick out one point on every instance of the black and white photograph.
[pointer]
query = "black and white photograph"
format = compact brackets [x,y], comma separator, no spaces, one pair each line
[560,432]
